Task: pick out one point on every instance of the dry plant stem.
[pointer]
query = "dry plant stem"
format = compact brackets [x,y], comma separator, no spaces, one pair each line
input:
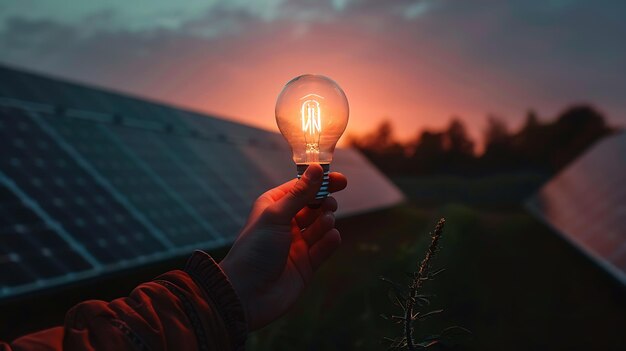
[418,278]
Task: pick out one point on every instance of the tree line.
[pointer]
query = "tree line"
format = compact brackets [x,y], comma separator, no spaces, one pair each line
[538,146]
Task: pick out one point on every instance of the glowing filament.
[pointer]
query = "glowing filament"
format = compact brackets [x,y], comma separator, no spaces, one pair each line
[311,117]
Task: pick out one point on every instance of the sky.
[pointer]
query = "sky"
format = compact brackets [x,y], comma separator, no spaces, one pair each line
[417,63]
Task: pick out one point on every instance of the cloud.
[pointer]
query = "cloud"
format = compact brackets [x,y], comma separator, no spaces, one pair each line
[417,61]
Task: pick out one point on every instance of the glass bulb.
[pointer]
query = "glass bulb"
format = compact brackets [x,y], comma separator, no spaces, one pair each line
[312,114]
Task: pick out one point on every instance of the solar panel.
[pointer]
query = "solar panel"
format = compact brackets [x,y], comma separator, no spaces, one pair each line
[144,193]
[93,182]
[30,250]
[586,203]
[50,176]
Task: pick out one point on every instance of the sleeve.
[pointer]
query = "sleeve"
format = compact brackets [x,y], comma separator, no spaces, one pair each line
[194,309]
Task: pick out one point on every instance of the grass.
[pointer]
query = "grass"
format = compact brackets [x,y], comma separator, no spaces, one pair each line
[510,280]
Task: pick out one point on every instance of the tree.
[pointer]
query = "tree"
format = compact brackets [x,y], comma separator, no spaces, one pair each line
[457,141]
[497,132]
[459,149]
[538,147]
[499,153]
[428,153]
[574,131]
[382,148]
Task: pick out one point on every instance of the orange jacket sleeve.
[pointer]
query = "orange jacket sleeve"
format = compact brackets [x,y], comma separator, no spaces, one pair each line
[194,309]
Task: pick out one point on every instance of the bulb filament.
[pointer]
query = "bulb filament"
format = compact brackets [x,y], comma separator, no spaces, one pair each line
[311,117]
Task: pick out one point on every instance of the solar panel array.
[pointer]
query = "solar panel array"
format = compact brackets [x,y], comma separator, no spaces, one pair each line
[586,203]
[92,182]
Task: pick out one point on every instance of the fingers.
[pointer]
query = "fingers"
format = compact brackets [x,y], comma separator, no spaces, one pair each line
[307,215]
[298,196]
[315,231]
[338,182]
[278,192]
[324,248]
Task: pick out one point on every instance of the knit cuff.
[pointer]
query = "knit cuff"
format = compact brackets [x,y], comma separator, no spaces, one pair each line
[208,275]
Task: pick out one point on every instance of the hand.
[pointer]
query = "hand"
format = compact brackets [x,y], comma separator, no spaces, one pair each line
[281,245]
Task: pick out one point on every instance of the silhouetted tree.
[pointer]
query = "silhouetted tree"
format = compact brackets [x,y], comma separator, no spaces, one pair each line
[457,141]
[428,153]
[576,129]
[549,147]
[499,152]
[528,145]
[459,149]
[538,147]
[382,148]
[532,119]
[496,133]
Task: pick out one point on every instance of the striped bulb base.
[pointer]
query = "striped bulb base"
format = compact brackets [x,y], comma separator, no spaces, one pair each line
[323,192]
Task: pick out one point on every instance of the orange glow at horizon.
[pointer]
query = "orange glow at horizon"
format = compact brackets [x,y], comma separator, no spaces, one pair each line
[416,88]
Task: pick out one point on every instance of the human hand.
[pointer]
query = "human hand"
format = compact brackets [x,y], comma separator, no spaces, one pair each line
[281,245]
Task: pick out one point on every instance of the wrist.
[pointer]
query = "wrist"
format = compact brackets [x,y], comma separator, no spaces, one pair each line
[229,271]
[213,280]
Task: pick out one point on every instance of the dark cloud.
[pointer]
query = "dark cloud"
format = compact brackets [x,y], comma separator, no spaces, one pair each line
[571,46]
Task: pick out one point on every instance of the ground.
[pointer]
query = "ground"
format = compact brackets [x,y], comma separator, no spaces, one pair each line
[509,279]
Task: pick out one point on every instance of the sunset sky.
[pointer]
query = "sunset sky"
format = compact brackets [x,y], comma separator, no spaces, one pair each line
[415,62]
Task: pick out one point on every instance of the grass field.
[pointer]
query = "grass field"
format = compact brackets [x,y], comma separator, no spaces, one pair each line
[509,279]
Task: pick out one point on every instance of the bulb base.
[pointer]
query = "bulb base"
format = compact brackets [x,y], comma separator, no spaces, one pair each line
[324,190]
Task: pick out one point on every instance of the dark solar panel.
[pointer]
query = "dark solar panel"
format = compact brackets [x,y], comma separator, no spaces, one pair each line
[67,193]
[235,171]
[586,203]
[30,251]
[128,176]
[213,182]
[155,158]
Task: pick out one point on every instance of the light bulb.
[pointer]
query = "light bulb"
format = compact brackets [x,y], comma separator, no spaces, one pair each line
[312,114]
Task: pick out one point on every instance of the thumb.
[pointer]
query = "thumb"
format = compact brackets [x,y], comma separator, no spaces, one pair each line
[300,195]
